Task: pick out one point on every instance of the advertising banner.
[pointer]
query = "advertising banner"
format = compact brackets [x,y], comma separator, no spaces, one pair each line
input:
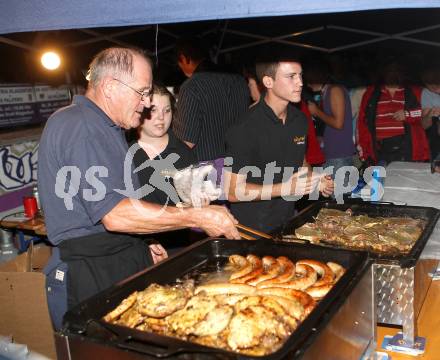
[27,104]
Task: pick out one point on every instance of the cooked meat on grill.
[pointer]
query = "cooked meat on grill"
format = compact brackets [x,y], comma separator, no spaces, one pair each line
[393,235]
[240,317]
[257,269]
[131,318]
[122,307]
[215,322]
[159,301]
[185,320]
[248,326]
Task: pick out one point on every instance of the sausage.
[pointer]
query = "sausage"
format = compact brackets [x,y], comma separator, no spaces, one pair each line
[308,278]
[305,299]
[243,265]
[337,269]
[271,269]
[286,274]
[257,269]
[225,288]
[326,274]
[318,292]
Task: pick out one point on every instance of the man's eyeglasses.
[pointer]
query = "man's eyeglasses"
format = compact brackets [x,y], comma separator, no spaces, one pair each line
[145,93]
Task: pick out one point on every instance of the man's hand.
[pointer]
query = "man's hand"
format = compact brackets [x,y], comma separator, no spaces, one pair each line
[326,185]
[435,111]
[158,253]
[304,182]
[399,115]
[215,221]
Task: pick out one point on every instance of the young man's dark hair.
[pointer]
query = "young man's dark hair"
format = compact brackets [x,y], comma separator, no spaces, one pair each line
[267,65]
[191,47]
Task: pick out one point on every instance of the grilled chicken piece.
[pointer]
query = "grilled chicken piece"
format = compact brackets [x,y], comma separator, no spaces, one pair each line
[184,321]
[125,304]
[230,299]
[157,325]
[131,318]
[293,308]
[217,340]
[215,322]
[245,330]
[281,312]
[249,326]
[159,301]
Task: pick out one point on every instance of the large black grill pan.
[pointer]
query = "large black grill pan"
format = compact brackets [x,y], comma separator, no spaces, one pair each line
[84,327]
[373,209]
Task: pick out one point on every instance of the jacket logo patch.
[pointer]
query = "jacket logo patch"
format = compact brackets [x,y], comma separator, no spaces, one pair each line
[299,140]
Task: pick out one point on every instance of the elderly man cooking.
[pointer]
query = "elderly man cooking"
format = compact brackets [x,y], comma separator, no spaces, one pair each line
[89,209]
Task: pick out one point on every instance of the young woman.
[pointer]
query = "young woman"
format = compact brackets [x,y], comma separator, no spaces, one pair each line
[160,151]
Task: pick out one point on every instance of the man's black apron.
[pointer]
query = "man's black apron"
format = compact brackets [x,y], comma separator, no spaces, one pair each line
[83,266]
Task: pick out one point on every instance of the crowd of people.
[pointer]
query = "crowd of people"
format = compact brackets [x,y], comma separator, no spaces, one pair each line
[271,133]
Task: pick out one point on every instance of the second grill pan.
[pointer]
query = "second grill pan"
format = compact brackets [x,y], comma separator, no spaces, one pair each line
[431,215]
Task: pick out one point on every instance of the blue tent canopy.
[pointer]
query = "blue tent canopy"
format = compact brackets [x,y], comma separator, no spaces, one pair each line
[37,15]
[237,30]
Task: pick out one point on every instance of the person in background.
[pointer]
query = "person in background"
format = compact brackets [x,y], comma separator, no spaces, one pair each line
[431,109]
[90,206]
[210,101]
[335,111]
[389,122]
[272,135]
[255,87]
[157,141]
[356,95]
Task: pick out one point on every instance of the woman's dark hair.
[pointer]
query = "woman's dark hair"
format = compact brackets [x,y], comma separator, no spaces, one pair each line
[316,72]
[158,89]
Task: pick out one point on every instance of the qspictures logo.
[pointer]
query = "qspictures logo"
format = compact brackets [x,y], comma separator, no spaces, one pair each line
[72,186]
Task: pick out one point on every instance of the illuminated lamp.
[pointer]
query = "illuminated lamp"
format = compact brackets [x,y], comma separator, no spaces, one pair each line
[50,60]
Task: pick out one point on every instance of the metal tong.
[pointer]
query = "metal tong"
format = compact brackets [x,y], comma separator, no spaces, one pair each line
[252,231]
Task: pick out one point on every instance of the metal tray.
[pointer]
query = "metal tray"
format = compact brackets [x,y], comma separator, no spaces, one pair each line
[83,323]
[431,215]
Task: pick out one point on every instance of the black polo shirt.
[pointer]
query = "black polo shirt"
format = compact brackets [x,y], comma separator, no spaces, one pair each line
[259,140]
[175,146]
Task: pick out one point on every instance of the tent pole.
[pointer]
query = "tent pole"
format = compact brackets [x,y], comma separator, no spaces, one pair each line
[220,43]
[278,39]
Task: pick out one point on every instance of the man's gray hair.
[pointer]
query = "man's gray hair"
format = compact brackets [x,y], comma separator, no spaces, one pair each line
[116,62]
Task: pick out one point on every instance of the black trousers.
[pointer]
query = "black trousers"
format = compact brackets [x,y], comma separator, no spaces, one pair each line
[396,148]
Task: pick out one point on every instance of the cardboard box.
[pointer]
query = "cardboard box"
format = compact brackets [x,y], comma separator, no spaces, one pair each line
[24,314]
